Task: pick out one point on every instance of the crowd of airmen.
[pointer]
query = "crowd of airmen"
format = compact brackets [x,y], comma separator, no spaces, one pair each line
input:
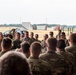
[50,56]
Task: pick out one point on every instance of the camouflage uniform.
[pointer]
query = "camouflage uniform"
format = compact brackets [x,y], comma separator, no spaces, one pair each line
[32,40]
[58,64]
[72,49]
[2,52]
[27,40]
[37,40]
[69,59]
[58,36]
[43,44]
[66,42]
[39,67]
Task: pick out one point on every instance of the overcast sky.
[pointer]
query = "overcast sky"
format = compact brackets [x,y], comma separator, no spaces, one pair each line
[38,11]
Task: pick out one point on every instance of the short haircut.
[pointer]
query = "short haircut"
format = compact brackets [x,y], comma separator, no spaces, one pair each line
[26,32]
[61,44]
[46,35]
[73,37]
[36,35]
[35,47]
[18,33]
[14,63]
[63,33]
[31,33]
[25,47]
[9,35]
[52,42]
[6,43]
[59,30]
[51,33]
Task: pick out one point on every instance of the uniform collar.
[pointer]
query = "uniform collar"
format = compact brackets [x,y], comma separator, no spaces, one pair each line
[51,51]
[33,57]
